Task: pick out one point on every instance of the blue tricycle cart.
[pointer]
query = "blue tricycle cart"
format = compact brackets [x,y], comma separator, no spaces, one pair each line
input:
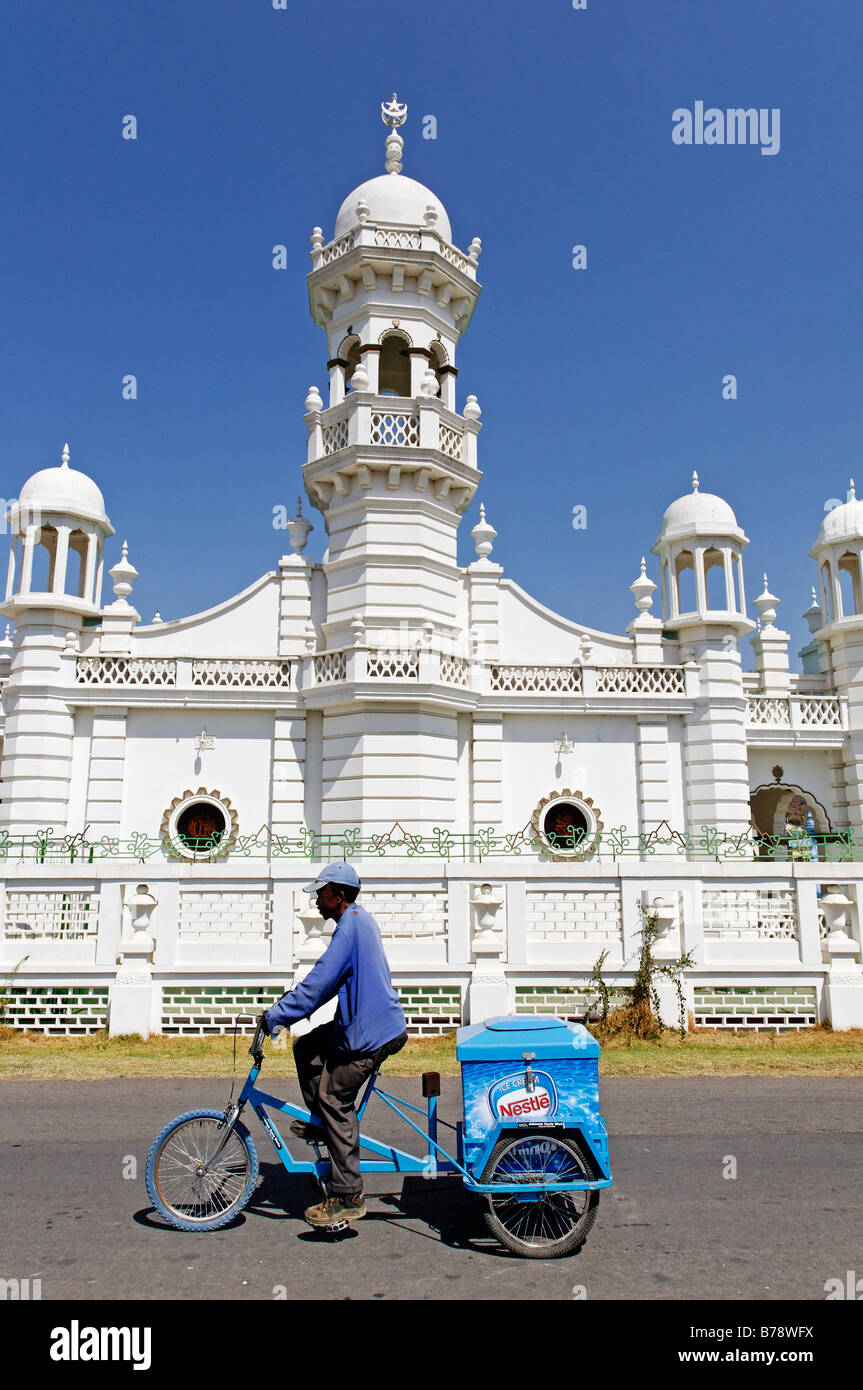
[532,1145]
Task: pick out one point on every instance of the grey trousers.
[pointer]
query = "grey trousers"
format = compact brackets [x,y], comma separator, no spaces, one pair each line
[330,1083]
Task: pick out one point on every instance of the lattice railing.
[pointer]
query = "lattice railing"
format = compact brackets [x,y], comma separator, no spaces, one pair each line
[407,915]
[126,670]
[640,680]
[384,664]
[455,670]
[335,436]
[330,666]
[769,711]
[819,711]
[336,248]
[57,915]
[450,441]
[538,678]
[395,429]
[240,673]
[398,240]
[454,256]
[743,914]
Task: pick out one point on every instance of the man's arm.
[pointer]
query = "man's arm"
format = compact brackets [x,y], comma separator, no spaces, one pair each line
[321,984]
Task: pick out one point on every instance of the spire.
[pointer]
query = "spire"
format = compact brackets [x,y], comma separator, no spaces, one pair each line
[694,481]
[852,495]
[393,115]
[484,535]
[64,457]
[643,589]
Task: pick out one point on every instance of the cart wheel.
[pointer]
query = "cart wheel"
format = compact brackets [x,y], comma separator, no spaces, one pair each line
[555,1223]
[184,1189]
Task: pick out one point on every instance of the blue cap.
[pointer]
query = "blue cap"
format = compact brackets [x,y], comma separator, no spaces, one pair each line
[335,873]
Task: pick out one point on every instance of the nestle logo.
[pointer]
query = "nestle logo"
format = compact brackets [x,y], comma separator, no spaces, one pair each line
[509,1098]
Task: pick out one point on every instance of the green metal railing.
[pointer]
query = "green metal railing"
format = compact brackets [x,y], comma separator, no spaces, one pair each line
[440,843]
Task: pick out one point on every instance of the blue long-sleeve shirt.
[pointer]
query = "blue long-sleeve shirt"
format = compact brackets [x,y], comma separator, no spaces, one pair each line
[355,967]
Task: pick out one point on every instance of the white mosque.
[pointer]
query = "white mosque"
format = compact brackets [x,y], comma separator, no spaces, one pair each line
[514,786]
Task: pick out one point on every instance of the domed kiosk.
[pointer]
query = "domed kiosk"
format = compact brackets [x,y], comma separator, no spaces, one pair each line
[699,547]
[59,526]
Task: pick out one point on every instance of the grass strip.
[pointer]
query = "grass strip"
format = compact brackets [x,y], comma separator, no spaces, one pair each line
[704,1052]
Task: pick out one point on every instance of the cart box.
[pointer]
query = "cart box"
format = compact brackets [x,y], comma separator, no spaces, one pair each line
[565,1084]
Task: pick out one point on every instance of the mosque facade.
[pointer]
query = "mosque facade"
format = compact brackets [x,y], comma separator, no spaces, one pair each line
[516,788]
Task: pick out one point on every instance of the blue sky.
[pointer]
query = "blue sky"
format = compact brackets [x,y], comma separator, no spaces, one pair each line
[600,387]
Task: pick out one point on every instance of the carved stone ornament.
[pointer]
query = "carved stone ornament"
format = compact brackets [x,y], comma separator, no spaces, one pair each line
[568,801]
[180,819]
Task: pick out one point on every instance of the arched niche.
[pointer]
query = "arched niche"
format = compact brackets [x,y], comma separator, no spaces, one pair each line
[394,369]
[774,803]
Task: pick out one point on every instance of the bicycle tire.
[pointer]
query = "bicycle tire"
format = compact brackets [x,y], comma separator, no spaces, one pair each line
[187,1200]
[556,1224]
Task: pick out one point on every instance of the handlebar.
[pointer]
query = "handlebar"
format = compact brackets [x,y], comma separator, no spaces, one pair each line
[256,1049]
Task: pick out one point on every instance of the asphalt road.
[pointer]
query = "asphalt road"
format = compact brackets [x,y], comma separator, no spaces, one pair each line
[671,1227]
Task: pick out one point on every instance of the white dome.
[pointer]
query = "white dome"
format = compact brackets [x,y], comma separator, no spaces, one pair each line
[64,489]
[843,523]
[698,514]
[393,198]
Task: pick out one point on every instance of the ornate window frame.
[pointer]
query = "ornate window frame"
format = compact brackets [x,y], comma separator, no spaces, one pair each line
[170,836]
[591,813]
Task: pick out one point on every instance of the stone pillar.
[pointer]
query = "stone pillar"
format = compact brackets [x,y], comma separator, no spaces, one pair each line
[488,993]
[843,983]
[133,1004]
[295,604]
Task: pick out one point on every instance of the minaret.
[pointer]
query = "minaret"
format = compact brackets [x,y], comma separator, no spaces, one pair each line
[391,462]
[392,467]
[838,552]
[59,526]
[704,608]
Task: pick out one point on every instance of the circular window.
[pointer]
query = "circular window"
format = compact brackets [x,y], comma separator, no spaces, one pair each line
[568,823]
[199,825]
[565,825]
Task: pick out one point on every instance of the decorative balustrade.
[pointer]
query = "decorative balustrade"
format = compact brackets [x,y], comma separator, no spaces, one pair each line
[337,248]
[451,441]
[386,664]
[401,429]
[455,670]
[228,672]
[536,678]
[794,712]
[330,666]
[399,240]
[640,680]
[126,670]
[335,436]
[394,238]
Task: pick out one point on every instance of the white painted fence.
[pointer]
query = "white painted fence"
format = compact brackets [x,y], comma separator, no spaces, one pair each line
[231,937]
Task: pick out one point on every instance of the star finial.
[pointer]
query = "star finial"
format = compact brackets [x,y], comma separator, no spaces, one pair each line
[393,114]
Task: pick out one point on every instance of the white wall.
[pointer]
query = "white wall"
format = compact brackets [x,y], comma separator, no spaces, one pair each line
[603,765]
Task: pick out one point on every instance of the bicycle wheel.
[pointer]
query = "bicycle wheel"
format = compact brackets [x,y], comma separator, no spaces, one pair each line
[551,1223]
[183,1188]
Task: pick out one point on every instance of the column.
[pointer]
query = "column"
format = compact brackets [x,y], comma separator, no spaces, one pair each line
[61,557]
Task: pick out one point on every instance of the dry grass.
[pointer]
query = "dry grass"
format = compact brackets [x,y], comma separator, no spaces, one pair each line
[815,1052]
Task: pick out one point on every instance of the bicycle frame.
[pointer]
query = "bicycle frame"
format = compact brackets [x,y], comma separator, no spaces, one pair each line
[388,1158]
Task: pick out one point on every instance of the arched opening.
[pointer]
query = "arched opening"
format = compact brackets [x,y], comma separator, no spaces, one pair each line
[437,356]
[201,827]
[684,579]
[826,591]
[790,822]
[849,584]
[76,566]
[44,554]
[349,351]
[394,377]
[714,579]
